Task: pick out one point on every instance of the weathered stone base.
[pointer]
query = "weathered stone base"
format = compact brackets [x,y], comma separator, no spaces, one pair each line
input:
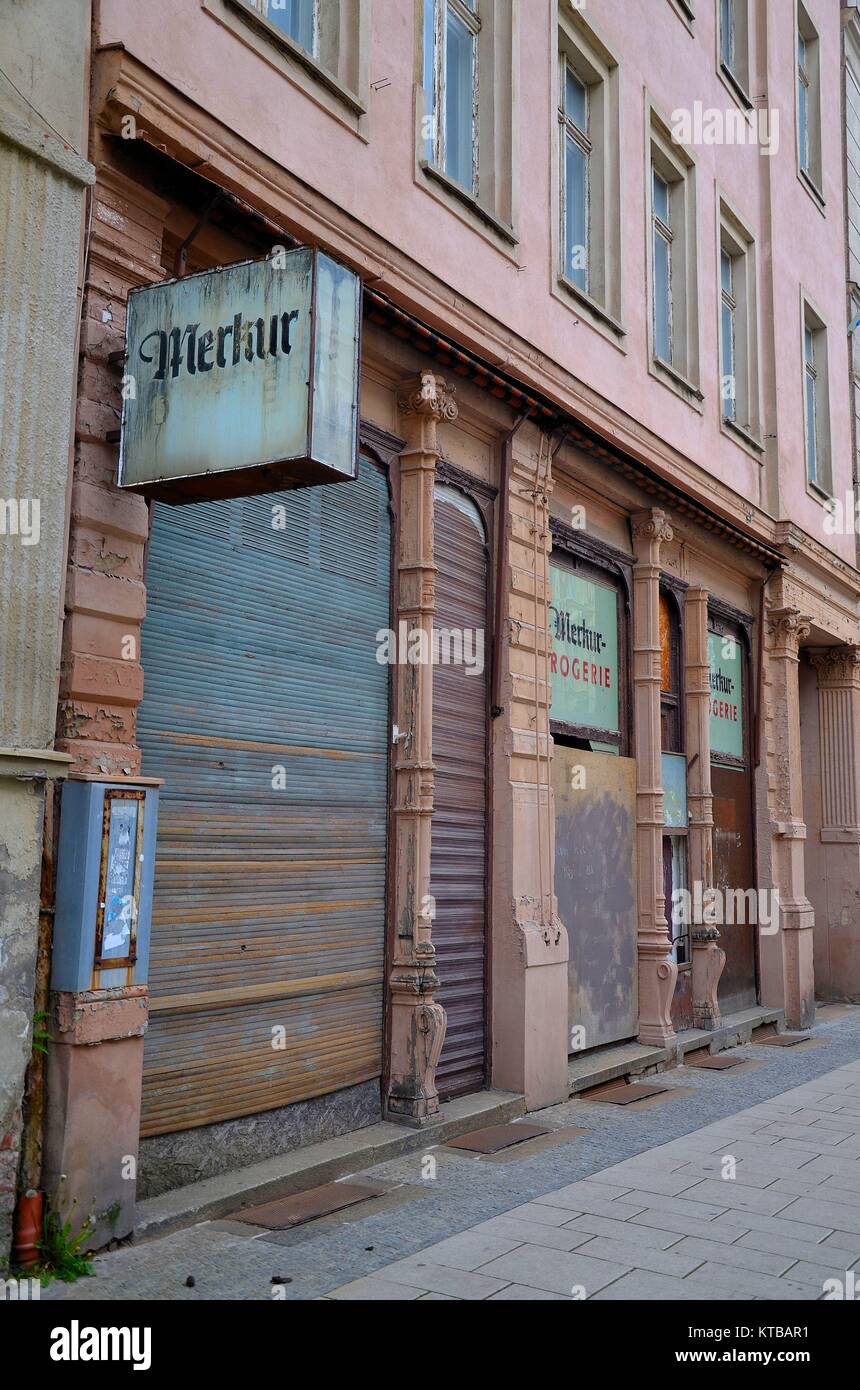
[172,1160]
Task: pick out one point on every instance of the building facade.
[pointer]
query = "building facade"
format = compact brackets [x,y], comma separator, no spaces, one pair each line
[538,736]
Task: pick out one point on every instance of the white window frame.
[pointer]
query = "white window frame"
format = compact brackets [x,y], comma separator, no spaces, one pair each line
[816,371]
[582,50]
[734,240]
[676,166]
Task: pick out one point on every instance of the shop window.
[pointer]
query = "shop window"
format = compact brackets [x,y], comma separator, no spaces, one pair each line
[588,655]
[465,135]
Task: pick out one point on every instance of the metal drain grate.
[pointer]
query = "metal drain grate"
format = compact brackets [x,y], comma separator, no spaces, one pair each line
[307,1206]
[626,1094]
[497,1137]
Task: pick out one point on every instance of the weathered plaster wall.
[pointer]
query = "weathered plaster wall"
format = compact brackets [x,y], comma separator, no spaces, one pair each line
[43,178]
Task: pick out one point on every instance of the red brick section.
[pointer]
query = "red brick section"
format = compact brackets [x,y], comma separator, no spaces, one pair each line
[100,688]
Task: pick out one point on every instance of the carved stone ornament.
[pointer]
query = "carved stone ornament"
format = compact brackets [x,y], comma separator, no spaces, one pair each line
[787,628]
[428,394]
[837,665]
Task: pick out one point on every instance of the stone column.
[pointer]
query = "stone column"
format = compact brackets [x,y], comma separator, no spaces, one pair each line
[657,971]
[530,949]
[708,956]
[417,1023]
[787,960]
[838,670]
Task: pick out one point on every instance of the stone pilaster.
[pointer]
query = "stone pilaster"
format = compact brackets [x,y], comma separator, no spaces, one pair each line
[657,970]
[417,1028]
[708,957]
[787,960]
[838,929]
[530,951]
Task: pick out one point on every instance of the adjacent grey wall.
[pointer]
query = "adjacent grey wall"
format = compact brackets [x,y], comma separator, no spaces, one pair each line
[44,57]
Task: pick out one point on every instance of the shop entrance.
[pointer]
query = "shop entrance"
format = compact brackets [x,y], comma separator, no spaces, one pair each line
[458,862]
[594,785]
[731,785]
[266,712]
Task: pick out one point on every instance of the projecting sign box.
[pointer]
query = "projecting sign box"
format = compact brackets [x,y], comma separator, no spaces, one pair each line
[242,380]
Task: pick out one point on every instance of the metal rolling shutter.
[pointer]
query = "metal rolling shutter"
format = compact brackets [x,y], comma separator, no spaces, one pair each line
[259,652]
[458,864]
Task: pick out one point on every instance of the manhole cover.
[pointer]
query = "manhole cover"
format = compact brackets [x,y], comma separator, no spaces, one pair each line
[496,1137]
[307,1206]
[626,1095]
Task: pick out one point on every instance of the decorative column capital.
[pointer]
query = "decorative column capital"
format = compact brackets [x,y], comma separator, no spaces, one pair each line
[786,629]
[429,395]
[650,529]
[837,666]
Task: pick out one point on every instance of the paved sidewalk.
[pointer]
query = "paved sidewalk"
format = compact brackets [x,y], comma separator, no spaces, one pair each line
[616,1154]
[762,1205]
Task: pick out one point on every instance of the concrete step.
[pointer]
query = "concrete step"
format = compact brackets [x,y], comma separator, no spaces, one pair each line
[734,1030]
[316,1164]
[586,1069]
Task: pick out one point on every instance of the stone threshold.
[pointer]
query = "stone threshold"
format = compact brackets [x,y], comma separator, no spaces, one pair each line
[636,1059]
[316,1164]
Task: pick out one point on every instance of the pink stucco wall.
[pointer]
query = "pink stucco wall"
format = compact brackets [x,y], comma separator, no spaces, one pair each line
[376,181]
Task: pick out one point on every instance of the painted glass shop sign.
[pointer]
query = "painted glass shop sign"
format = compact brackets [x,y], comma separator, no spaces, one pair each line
[242,380]
[583,651]
[726,705]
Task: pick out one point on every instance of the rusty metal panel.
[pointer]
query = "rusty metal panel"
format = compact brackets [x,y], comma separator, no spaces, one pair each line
[733,868]
[287,1212]
[595,883]
[266,712]
[458,865]
[495,1138]
[242,379]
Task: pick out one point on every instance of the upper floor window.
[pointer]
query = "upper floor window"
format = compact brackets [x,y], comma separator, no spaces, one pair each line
[673,256]
[589,187]
[451,30]
[661,214]
[808,100]
[576,176]
[465,138]
[321,45]
[733,39]
[298,19]
[815,402]
[739,387]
